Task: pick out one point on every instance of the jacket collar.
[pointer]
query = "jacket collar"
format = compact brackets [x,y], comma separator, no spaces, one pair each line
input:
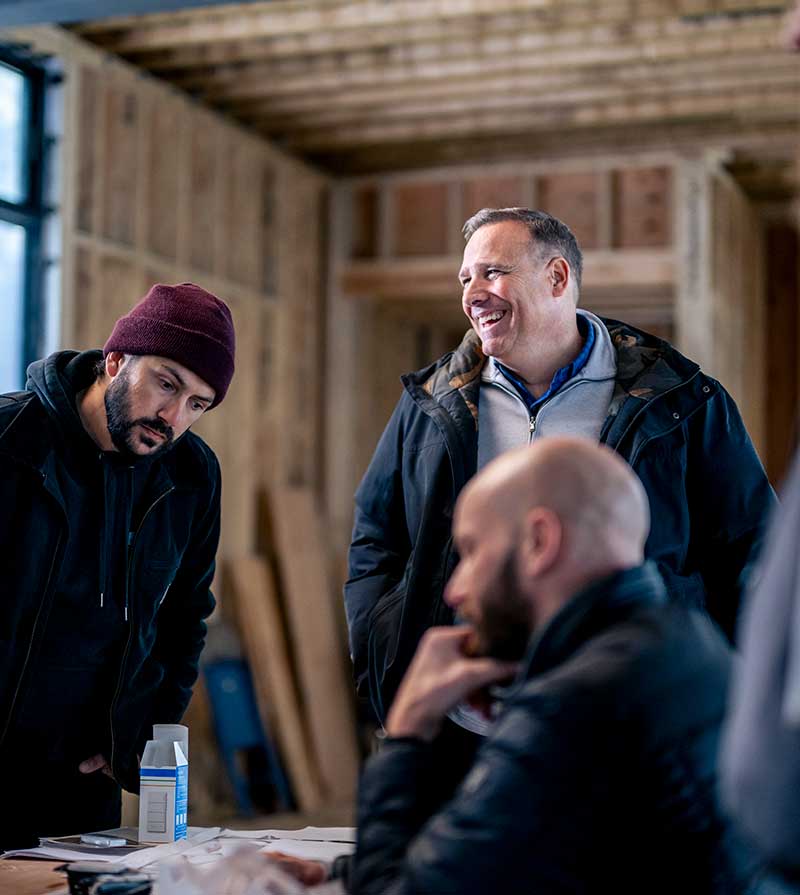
[22,442]
[589,613]
[647,367]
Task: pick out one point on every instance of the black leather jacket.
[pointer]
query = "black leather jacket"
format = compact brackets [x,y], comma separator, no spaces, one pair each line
[599,775]
[680,431]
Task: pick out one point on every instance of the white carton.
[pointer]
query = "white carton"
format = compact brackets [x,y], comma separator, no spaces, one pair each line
[163,789]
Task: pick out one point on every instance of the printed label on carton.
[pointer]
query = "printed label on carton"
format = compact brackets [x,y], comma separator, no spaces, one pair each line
[163,793]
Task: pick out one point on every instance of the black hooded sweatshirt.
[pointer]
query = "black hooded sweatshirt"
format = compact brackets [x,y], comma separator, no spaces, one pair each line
[64,714]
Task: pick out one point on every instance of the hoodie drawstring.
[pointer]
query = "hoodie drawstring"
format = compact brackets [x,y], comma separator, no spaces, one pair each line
[104,539]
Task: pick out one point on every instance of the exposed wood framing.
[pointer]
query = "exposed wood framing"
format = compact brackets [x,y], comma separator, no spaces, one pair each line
[370,85]
[430,278]
[720,312]
[165,190]
[275,19]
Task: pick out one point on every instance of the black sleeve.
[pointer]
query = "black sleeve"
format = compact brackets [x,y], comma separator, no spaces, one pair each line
[506,828]
[731,500]
[380,545]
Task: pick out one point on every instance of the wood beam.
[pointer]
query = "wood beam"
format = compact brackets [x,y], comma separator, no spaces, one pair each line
[189,12]
[360,25]
[577,85]
[537,71]
[584,145]
[425,279]
[760,102]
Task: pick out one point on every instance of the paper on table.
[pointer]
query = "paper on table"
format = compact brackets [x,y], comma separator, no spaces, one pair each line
[307,834]
[51,853]
[131,857]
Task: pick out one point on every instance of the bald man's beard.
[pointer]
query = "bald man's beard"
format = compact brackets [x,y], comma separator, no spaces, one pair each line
[506,621]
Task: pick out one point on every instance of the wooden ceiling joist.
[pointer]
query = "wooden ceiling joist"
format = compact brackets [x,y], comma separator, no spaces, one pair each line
[515,55]
[590,83]
[368,84]
[758,103]
[691,138]
[415,42]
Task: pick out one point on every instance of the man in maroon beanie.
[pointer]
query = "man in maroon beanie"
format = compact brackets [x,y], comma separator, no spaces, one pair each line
[109,527]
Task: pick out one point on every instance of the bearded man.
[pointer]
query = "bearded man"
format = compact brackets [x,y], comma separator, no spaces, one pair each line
[109,528]
[598,773]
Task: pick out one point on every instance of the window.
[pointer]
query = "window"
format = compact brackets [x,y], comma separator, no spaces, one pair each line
[21,215]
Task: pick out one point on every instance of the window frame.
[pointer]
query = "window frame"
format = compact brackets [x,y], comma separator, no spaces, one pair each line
[30,211]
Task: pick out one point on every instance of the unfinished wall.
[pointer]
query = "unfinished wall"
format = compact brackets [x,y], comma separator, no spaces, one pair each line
[721,310]
[158,189]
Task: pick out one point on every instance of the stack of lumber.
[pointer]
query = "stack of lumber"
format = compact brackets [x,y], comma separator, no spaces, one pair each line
[289,619]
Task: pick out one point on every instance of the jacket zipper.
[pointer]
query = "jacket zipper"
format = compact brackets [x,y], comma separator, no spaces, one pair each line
[533,417]
[30,644]
[131,549]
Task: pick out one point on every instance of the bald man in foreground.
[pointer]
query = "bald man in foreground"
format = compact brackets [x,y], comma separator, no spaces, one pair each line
[599,774]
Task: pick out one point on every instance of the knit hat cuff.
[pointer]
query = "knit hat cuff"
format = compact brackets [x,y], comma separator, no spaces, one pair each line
[194,350]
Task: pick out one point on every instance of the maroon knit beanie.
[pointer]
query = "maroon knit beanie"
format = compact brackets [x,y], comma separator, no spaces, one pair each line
[186,324]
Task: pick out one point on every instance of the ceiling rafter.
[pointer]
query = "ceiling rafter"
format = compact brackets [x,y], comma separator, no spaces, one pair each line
[367,84]
[759,103]
[516,48]
[515,89]
[325,20]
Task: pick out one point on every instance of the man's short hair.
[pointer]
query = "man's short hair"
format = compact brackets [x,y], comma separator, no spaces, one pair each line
[546,232]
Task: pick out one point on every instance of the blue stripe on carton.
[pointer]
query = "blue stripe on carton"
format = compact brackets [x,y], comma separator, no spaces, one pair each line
[181,800]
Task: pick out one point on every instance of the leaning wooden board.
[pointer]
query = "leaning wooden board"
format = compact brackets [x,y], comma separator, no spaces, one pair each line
[326,685]
[262,631]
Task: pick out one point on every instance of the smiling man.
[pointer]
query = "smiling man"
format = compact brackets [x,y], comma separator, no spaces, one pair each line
[109,528]
[535,365]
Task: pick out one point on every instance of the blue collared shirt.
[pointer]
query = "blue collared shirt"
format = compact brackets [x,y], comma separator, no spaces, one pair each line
[561,376]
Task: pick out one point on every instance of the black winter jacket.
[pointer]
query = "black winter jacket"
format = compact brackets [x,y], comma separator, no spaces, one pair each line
[679,430]
[170,564]
[599,775]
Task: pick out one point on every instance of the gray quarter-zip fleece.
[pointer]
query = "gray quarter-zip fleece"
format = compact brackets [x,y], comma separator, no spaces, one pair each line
[578,408]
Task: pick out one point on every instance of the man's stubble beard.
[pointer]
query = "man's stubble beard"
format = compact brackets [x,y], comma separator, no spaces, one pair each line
[121,426]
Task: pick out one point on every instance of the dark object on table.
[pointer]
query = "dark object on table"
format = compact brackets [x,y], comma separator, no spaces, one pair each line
[124,884]
[102,878]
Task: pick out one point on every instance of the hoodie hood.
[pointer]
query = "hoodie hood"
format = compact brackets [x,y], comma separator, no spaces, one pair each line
[57,380]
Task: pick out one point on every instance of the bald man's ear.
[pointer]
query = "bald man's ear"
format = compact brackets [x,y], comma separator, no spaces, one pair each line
[541,537]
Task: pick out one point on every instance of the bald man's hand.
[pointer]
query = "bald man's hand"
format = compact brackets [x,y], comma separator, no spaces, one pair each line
[441,676]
